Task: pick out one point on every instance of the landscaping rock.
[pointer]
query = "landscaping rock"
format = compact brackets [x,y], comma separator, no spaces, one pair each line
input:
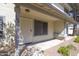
[32,51]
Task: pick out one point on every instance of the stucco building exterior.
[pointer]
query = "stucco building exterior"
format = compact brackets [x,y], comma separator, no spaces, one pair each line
[39,22]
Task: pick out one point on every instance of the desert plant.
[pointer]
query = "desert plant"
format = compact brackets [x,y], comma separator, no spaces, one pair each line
[76,39]
[64,51]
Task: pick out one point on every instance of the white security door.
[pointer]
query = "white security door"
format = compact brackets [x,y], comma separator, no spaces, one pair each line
[26,30]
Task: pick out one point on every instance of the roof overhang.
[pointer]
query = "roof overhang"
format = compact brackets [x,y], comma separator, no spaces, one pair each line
[49,10]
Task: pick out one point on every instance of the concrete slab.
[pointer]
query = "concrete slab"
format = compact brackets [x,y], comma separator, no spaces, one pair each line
[48,44]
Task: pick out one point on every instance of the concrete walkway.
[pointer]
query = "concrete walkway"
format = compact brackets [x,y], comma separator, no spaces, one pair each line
[51,43]
[49,48]
[52,51]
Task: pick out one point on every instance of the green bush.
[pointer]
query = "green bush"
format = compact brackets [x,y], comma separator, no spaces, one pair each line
[64,51]
[76,39]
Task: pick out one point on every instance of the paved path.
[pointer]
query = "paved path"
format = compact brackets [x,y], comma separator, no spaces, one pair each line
[51,43]
[53,50]
[50,47]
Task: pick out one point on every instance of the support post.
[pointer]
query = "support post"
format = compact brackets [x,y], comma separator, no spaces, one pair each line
[17,30]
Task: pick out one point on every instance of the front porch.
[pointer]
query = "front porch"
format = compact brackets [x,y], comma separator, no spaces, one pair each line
[36,26]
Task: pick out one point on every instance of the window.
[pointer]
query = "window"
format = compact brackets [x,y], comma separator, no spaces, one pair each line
[1,27]
[40,28]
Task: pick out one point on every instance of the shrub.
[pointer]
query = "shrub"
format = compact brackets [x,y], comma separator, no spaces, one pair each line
[64,51]
[76,39]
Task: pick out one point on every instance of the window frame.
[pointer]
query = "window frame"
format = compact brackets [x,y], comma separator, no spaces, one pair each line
[43,30]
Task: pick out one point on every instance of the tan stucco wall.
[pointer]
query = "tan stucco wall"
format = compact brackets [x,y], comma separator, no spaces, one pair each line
[45,37]
[28,19]
[30,25]
[55,25]
[59,27]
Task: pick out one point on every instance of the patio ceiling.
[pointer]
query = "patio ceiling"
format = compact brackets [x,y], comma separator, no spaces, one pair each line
[49,10]
[32,14]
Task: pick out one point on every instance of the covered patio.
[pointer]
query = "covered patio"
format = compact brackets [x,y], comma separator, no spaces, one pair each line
[25,27]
